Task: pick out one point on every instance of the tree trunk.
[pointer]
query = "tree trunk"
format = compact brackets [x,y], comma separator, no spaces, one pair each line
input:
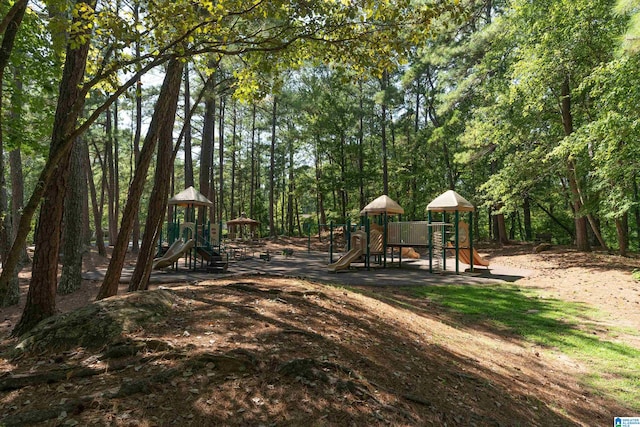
[206,148]
[41,302]
[116,167]
[290,192]
[135,237]
[73,242]
[15,162]
[430,110]
[167,97]
[343,178]
[253,185]
[383,135]
[622,231]
[234,160]
[97,212]
[111,180]
[221,159]
[636,211]
[9,288]
[283,192]
[322,214]
[188,157]
[159,196]
[363,202]
[272,167]
[10,295]
[526,208]
[17,196]
[582,238]
[502,236]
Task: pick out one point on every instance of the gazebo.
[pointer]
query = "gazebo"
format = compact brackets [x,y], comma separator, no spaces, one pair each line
[452,202]
[243,227]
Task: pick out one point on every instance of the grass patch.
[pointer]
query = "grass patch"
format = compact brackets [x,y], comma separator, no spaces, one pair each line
[564,326]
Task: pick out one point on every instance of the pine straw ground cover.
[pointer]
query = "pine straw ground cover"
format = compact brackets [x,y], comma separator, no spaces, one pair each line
[266,351]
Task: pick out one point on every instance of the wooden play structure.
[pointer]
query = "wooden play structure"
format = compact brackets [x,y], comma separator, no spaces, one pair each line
[385,234]
[446,204]
[195,241]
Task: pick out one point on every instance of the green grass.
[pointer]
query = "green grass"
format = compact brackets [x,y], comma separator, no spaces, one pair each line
[559,325]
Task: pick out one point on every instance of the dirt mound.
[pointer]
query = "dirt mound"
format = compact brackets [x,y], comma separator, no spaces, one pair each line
[266,351]
[98,324]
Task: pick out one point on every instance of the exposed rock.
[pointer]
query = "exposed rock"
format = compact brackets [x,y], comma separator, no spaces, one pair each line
[100,323]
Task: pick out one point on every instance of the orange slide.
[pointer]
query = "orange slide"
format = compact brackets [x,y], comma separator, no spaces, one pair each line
[463,255]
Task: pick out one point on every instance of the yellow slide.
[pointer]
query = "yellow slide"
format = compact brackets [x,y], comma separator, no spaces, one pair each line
[345,260]
[175,252]
[463,255]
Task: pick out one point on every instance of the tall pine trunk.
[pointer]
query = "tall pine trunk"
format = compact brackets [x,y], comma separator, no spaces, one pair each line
[383,134]
[135,236]
[234,160]
[168,96]
[526,208]
[73,241]
[272,167]
[253,182]
[206,148]
[9,288]
[159,195]
[97,211]
[41,301]
[290,192]
[221,159]
[188,157]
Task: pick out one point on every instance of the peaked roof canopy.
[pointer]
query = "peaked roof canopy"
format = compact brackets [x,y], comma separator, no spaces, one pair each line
[190,197]
[450,201]
[243,220]
[383,204]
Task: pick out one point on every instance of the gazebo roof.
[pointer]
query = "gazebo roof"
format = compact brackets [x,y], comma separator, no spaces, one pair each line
[242,220]
[383,204]
[450,201]
[190,196]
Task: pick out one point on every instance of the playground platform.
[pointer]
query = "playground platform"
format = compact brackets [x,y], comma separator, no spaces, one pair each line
[313,266]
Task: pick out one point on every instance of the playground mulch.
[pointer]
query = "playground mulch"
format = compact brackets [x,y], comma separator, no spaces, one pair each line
[272,344]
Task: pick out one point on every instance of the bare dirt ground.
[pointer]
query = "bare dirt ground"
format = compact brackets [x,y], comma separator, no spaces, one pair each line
[267,351]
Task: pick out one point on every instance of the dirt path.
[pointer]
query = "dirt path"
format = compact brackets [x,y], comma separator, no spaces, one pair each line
[600,280]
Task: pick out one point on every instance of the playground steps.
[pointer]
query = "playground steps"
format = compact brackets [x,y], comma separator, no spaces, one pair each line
[215,262]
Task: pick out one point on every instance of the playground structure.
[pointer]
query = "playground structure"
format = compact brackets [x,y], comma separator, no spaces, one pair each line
[194,240]
[357,251]
[374,239]
[177,250]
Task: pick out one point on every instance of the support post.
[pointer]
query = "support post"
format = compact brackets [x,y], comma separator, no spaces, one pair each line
[331,242]
[444,241]
[430,237]
[367,227]
[470,237]
[457,232]
[384,240]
